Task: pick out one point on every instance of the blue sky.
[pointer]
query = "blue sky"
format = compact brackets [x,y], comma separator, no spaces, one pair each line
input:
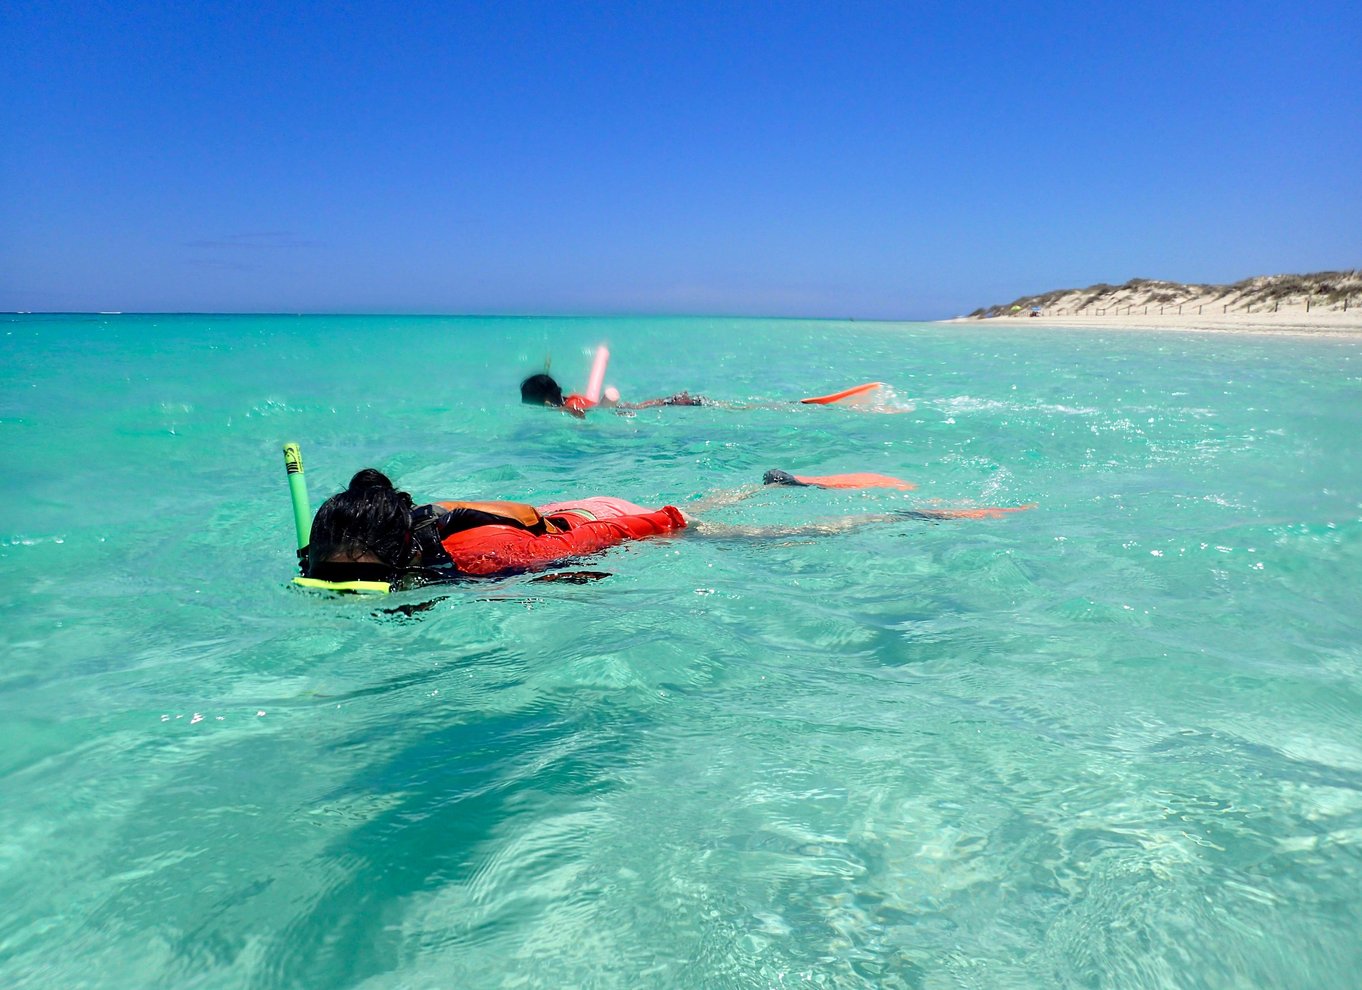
[873,160]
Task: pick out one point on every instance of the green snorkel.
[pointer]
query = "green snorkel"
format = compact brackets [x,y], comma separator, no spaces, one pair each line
[302,525]
[297,490]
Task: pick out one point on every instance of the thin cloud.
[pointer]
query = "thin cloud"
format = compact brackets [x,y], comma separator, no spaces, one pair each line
[218,264]
[255,241]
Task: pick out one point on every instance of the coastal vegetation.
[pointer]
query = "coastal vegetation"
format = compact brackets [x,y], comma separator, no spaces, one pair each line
[1336,291]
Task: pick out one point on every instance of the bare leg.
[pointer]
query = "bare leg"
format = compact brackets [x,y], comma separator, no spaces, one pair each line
[818,527]
[844,524]
[841,524]
[721,500]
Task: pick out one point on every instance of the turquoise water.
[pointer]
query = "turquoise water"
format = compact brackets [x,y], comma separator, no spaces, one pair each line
[1115,741]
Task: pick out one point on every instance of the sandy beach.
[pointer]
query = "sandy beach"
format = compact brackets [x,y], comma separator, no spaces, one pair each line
[1323,303]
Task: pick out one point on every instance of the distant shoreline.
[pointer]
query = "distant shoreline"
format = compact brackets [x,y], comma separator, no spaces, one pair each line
[1320,303]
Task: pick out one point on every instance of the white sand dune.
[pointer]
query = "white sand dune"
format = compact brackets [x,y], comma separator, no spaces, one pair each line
[1327,303]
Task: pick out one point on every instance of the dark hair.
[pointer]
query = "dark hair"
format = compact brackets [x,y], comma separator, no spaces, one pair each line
[541,390]
[370,518]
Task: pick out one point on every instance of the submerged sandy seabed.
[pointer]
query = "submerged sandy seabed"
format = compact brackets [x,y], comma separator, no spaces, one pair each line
[1327,323]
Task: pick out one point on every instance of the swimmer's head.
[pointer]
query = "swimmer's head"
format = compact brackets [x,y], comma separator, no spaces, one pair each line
[362,533]
[541,390]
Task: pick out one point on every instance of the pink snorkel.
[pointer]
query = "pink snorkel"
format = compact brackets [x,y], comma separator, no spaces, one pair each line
[597,379]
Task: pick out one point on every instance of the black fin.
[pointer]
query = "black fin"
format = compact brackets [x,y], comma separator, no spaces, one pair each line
[775,476]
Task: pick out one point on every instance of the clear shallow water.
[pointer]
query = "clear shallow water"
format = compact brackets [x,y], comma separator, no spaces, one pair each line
[1114,741]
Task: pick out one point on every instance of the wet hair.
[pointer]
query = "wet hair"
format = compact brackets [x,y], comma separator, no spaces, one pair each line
[541,390]
[369,518]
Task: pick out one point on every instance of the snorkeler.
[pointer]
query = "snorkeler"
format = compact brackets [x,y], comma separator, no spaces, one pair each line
[374,532]
[542,390]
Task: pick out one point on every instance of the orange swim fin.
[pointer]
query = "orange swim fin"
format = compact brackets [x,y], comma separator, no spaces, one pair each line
[847,393]
[861,480]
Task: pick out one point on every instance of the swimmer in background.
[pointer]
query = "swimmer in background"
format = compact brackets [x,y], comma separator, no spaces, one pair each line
[543,390]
